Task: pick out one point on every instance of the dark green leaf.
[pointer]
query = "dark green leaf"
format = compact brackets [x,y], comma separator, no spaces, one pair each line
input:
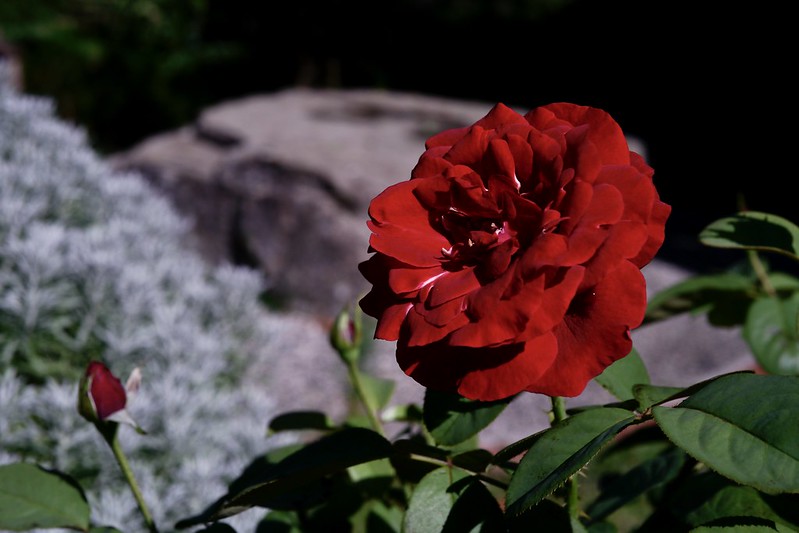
[753,230]
[620,377]
[560,452]
[473,460]
[649,395]
[32,497]
[546,516]
[742,426]
[652,473]
[735,501]
[452,419]
[431,501]
[771,332]
[741,525]
[476,510]
[328,455]
[299,420]
[279,522]
[515,449]
[218,527]
[724,297]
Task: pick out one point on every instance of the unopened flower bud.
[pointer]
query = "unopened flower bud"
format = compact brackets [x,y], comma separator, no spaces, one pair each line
[102,398]
[346,334]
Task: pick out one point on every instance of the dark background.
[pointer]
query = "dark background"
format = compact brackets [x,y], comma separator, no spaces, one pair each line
[709,87]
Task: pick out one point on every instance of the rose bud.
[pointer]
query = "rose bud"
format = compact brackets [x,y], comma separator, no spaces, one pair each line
[346,334]
[102,398]
[511,259]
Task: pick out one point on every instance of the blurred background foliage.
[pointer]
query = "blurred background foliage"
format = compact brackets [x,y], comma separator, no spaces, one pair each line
[707,86]
[127,68]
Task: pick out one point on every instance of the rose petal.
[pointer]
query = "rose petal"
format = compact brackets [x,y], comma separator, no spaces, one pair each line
[401,228]
[595,332]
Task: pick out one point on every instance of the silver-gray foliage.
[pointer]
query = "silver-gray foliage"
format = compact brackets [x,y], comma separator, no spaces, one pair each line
[95,262]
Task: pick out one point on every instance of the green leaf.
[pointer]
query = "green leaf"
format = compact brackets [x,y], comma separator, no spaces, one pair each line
[724,297]
[218,527]
[377,391]
[403,413]
[652,473]
[279,522]
[473,460]
[620,377]
[546,516]
[735,501]
[753,230]
[771,332]
[744,427]
[431,501]
[738,527]
[515,449]
[301,420]
[649,395]
[476,509]
[452,419]
[32,497]
[560,452]
[331,454]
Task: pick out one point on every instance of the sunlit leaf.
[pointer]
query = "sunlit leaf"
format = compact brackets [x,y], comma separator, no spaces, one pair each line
[560,452]
[724,297]
[31,497]
[753,230]
[620,377]
[743,426]
[771,332]
[452,419]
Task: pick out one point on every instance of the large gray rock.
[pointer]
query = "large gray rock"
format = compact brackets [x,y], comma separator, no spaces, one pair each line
[282,182]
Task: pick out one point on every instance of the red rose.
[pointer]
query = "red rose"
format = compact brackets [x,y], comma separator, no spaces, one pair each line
[510,261]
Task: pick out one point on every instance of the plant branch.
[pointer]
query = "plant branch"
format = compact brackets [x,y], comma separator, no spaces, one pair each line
[119,455]
[572,486]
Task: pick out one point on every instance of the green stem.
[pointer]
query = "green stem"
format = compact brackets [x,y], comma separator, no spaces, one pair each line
[479,475]
[572,486]
[761,273]
[355,378]
[119,455]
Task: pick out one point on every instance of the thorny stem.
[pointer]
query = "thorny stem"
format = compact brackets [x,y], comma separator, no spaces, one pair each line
[572,487]
[112,440]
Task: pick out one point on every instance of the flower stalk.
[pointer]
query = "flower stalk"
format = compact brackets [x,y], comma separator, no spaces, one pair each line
[110,436]
[572,486]
[360,391]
